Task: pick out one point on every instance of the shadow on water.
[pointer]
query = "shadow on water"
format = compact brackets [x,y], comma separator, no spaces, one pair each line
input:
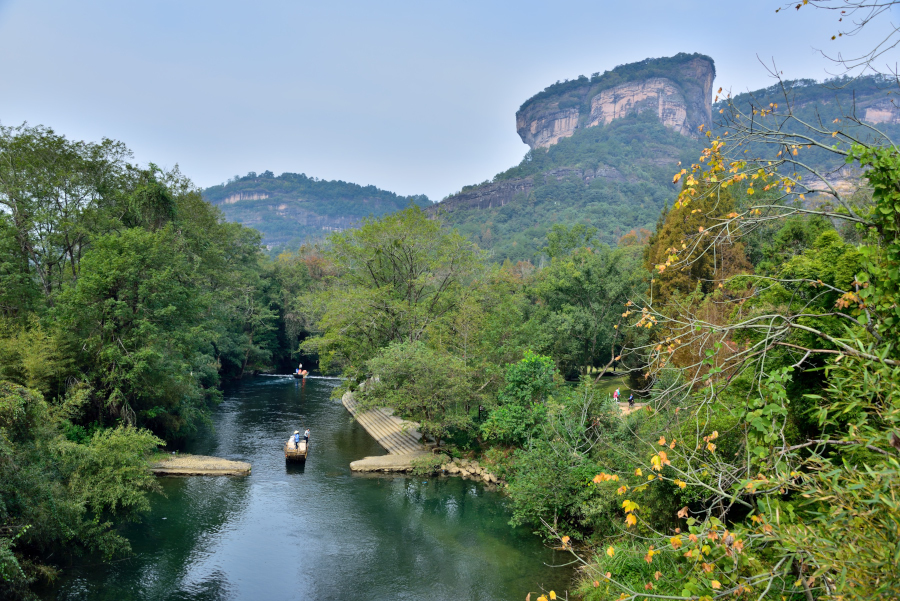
[313,530]
[294,468]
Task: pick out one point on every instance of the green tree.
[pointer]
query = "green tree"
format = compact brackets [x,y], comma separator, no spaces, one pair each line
[137,322]
[522,403]
[395,279]
[422,385]
[582,296]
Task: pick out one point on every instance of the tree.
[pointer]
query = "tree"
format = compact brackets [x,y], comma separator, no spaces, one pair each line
[396,278]
[422,385]
[137,319]
[54,190]
[60,496]
[522,403]
[583,295]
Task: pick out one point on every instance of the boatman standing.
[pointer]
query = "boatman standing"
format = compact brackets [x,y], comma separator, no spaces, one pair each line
[306,437]
[297,438]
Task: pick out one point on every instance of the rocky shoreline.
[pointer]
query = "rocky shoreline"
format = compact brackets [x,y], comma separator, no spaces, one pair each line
[471,470]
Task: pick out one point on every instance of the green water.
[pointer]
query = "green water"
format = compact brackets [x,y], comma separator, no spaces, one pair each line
[316,531]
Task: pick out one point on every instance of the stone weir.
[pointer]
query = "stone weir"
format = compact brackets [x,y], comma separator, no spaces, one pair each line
[199,465]
[399,438]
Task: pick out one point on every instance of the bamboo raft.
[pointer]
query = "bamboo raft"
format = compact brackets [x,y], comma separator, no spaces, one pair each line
[295,451]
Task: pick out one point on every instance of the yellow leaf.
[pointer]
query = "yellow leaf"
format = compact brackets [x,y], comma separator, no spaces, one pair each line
[630,520]
[542,598]
[638,472]
[610,551]
[711,447]
[552,595]
[716,584]
[675,542]
[565,541]
[662,441]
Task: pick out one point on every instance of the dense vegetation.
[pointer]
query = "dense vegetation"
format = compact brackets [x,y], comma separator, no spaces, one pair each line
[291,209]
[758,329]
[124,300]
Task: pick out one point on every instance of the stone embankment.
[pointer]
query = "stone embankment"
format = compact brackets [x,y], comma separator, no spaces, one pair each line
[199,465]
[470,470]
[399,438]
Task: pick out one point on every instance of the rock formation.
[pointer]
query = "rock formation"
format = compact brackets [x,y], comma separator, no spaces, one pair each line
[677,89]
[882,111]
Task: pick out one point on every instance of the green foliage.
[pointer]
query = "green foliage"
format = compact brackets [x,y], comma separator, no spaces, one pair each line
[522,403]
[427,465]
[430,388]
[61,497]
[395,279]
[582,297]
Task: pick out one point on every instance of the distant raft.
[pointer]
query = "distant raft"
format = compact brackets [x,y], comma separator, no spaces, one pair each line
[295,451]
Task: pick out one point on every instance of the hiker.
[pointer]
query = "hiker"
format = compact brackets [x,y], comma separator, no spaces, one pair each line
[631,400]
[306,437]
[616,395]
[296,438]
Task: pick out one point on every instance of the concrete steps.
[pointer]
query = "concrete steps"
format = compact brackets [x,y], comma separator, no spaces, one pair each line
[385,428]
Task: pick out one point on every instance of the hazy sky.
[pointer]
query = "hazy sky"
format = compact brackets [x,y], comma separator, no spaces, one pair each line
[414,97]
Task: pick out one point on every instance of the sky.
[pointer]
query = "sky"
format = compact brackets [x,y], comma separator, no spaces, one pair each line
[413,97]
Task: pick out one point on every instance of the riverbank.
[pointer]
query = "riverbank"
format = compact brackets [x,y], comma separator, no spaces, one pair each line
[198,465]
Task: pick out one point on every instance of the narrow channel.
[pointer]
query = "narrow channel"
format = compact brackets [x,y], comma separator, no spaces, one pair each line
[316,531]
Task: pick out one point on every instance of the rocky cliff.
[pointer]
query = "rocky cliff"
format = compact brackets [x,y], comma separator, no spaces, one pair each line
[677,89]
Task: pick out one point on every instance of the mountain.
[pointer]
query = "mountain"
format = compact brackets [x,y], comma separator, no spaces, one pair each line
[292,208]
[677,89]
[603,151]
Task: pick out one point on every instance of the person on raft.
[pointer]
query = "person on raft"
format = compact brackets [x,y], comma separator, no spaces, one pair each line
[296,438]
[306,437]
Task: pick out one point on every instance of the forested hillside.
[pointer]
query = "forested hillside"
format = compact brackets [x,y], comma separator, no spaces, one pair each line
[617,177]
[292,208]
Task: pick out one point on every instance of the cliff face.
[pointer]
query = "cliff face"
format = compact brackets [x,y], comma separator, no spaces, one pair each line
[678,90]
[881,111]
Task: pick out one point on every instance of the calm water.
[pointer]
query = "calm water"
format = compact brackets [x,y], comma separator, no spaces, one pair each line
[317,531]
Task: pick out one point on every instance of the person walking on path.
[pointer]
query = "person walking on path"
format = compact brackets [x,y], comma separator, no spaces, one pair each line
[631,400]
[616,395]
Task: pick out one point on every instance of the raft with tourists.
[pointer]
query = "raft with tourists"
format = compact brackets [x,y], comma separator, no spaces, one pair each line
[300,373]
[296,447]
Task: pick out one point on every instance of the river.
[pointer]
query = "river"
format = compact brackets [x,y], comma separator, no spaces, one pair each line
[316,531]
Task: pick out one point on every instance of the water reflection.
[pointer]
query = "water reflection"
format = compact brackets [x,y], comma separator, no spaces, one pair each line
[314,530]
